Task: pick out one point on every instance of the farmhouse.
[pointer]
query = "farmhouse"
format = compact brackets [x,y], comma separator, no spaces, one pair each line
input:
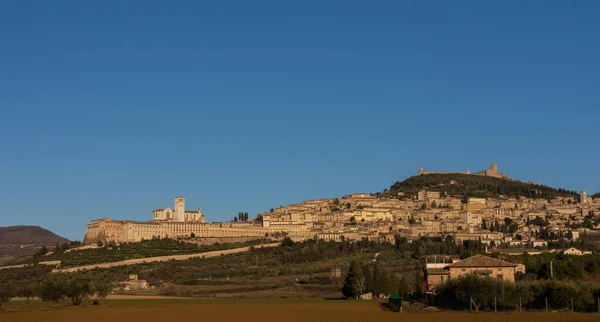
[478,264]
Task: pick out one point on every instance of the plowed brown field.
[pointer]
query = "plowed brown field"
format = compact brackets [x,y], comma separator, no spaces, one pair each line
[269,312]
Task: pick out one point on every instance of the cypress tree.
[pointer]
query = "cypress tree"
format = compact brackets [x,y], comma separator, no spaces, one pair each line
[354,282]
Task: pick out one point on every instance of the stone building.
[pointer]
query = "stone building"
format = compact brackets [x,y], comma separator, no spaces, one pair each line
[484,266]
[478,264]
[179,214]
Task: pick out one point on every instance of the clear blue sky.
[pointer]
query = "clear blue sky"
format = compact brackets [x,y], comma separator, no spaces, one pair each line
[112,108]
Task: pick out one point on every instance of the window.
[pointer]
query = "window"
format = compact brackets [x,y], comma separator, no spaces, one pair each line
[444,278]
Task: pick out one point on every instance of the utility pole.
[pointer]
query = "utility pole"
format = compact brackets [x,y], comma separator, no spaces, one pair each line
[546,299]
[551,270]
[495,306]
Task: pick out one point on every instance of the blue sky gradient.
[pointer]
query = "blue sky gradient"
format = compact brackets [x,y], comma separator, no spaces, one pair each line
[112,108]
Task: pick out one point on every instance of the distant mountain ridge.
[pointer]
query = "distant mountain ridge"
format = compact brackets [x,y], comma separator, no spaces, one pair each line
[466,185]
[29,235]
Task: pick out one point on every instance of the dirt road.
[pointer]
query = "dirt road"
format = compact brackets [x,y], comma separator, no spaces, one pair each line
[162,258]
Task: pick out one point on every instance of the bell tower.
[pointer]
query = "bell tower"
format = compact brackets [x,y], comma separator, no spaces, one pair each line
[179,208]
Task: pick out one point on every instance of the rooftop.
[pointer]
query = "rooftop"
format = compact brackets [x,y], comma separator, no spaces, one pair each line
[482,261]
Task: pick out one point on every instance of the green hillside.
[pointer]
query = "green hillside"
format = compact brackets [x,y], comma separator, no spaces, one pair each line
[464,185]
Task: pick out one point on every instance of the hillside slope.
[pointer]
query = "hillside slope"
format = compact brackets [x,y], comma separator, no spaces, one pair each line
[29,235]
[464,185]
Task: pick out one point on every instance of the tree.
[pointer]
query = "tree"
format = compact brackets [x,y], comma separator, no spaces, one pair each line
[235,219]
[287,242]
[99,243]
[77,289]
[101,288]
[6,293]
[192,235]
[354,282]
[348,206]
[52,289]
[27,291]
[433,204]
[43,251]
[424,206]
[352,220]
[377,284]
[368,278]
[412,220]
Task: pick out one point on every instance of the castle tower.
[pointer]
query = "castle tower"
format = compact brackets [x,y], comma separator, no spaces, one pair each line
[421,170]
[179,209]
[582,197]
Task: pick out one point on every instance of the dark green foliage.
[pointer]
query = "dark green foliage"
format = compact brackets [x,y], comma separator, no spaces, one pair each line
[377,285]
[354,283]
[475,186]
[438,246]
[455,294]
[368,278]
[26,290]
[43,251]
[24,274]
[287,242]
[52,288]
[6,293]
[412,220]
[148,248]
[76,289]
[538,221]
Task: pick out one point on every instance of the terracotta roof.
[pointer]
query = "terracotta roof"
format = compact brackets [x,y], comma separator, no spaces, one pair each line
[482,261]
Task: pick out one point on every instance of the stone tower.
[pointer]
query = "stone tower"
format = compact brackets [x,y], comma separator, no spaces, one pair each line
[582,197]
[179,208]
[421,170]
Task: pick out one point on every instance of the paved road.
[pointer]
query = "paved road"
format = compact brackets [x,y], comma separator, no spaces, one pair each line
[162,258]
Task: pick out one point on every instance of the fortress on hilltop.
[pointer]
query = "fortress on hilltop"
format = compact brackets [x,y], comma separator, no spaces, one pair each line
[492,171]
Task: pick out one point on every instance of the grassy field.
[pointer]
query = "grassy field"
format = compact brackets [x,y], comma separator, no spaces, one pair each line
[256,310]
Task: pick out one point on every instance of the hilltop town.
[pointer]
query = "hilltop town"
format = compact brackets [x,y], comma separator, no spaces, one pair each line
[514,214]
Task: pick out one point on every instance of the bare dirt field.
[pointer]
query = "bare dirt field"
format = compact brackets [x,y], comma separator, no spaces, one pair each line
[263,311]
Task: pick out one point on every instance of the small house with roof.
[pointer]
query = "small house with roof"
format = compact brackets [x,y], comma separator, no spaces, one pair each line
[478,264]
[484,266]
